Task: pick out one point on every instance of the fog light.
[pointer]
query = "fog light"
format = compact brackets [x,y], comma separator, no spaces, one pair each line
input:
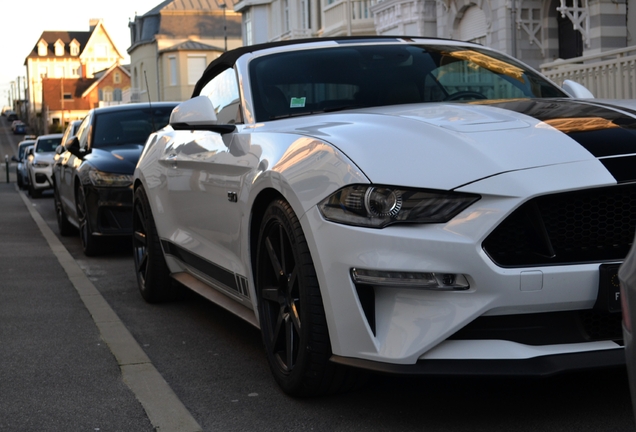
[429,281]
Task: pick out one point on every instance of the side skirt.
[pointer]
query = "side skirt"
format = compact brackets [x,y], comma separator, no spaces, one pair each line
[216,297]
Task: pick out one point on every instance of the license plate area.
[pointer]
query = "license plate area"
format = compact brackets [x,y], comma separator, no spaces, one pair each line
[608,299]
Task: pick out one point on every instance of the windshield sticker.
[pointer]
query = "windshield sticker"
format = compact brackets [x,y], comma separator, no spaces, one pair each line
[297,102]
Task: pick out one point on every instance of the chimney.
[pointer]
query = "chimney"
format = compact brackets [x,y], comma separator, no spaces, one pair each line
[92,23]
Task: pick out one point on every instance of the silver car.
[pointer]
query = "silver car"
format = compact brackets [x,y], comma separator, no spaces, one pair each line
[20,170]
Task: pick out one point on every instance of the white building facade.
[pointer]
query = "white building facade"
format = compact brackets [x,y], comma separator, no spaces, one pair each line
[534,31]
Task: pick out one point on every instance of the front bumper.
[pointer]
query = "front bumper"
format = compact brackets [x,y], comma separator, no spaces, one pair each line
[41,178]
[109,210]
[401,327]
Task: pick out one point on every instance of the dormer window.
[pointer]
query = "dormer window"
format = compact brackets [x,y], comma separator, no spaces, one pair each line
[59,48]
[74,47]
[43,48]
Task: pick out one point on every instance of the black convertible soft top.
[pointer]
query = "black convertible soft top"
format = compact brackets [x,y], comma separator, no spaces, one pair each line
[228,58]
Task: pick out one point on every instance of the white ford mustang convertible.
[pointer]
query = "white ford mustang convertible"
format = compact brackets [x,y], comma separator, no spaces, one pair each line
[402,205]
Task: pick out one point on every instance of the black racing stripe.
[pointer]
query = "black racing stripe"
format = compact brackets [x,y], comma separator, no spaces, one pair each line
[622,168]
[611,141]
[206,267]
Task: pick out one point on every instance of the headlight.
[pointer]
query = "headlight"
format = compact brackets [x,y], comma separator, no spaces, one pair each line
[379,206]
[40,164]
[104,179]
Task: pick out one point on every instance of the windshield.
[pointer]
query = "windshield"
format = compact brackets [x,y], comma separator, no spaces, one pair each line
[46,145]
[330,79]
[129,126]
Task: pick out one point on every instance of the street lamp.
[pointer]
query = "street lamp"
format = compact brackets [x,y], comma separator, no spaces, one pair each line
[223,6]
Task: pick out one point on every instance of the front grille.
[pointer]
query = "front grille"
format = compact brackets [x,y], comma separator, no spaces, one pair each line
[115,220]
[573,227]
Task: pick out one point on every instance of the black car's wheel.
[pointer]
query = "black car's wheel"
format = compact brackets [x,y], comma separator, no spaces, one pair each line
[90,242]
[19,179]
[291,311]
[34,193]
[65,227]
[153,275]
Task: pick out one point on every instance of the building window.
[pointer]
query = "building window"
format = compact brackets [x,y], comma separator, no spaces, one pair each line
[59,48]
[105,95]
[44,71]
[68,96]
[74,49]
[247,22]
[43,49]
[117,77]
[59,71]
[196,66]
[304,11]
[75,71]
[117,95]
[173,70]
[285,16]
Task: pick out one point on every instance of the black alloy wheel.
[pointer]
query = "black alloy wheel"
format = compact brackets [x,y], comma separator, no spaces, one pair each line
[33,193]
[65,227]
[291,312]
[90,242]
[153,275]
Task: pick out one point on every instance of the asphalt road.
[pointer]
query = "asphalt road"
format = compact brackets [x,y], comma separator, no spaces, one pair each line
[215,364]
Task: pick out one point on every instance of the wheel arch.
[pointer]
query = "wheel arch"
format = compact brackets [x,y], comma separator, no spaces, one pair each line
[259,206]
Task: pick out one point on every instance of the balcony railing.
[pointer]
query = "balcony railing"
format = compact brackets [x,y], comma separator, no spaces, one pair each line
[131,95]
[608,75]
[349,18]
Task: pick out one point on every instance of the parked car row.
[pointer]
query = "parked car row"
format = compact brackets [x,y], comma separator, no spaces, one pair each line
[401,205]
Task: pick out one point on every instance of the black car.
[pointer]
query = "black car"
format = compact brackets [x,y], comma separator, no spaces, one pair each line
[92,176]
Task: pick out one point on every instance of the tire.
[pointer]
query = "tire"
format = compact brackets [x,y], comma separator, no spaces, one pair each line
[291,312]
[19,179]
[33,193]
[64,226]
[90,242]
[153,275]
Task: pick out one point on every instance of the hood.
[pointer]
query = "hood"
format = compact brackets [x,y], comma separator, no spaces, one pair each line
[48,157]
[444,146]
[115,159]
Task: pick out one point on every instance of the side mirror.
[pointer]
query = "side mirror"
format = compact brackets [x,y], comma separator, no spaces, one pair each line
[14,159]
[197,114]
[73,147]
[576,90]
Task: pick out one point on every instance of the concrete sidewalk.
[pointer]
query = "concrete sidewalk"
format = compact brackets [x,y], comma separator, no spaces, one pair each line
[56,373]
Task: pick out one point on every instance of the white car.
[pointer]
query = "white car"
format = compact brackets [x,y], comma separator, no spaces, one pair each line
[40,163]
[401,205]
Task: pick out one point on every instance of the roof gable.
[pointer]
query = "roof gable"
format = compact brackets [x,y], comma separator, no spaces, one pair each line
[99,28]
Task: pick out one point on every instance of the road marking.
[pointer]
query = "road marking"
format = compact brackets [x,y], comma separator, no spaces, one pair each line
[164,409]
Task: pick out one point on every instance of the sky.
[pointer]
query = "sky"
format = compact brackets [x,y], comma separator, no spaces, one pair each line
[22,23]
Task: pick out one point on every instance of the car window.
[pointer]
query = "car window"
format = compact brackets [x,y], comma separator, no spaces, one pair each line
[22,149]
[128,126]
[46,145]
[71,129]
[329,79]
[82,131]
[223,91]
